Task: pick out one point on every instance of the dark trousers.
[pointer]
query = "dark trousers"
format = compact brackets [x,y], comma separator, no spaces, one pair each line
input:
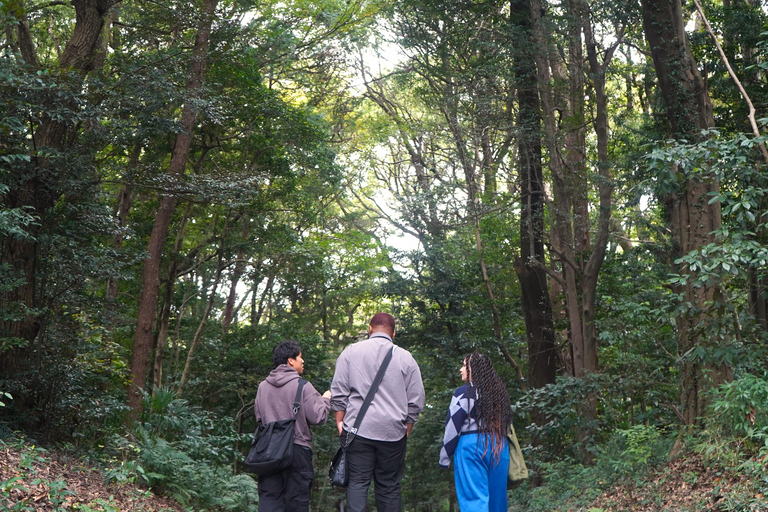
[380,461]
[288,491]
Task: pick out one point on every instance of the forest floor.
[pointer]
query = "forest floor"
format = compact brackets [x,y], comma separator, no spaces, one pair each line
[57,481]
[687,483]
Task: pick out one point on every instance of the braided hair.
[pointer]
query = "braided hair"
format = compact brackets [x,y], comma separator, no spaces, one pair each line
[492,409]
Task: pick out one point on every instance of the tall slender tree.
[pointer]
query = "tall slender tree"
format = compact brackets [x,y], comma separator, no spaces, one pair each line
[543,360]
[142,343]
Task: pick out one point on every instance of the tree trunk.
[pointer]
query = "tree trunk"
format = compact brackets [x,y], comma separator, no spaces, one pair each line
[596,257]
[571,214]
[543,361]
[263,300]
[546,60]
[757,298]
[150,278]
[165,317]
[571,238]
[576,135]
[229,306]
[41,186]
[200,327]
[692,218]
[237,272]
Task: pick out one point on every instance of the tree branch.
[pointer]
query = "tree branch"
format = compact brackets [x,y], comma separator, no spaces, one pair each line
[753,124]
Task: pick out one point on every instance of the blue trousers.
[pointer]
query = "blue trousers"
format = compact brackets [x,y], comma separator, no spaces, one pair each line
[481,485]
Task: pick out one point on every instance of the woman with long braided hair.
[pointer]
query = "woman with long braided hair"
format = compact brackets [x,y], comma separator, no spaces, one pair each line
[475,437]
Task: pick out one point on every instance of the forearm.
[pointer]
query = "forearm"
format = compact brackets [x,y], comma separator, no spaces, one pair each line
[339,415]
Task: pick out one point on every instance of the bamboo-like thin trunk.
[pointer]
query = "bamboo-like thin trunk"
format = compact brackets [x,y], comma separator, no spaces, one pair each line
[200,329]
[124,205]
[165,317]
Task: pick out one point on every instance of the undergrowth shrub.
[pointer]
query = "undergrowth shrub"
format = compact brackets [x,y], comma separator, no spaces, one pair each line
[568,485]
[631,449]
[740,408]
[185,452]
[736,439]
[561,404]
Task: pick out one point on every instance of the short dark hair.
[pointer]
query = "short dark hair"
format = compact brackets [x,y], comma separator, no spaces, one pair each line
[384,320]
[284,351]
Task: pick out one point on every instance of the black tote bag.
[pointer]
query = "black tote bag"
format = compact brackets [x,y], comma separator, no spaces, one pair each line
[271,448]
[272,445]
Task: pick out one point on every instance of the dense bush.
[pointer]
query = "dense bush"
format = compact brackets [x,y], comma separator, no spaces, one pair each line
[185,452]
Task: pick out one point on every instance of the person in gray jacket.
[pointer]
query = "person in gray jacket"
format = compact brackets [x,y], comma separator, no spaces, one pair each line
[378,450]
[289,490]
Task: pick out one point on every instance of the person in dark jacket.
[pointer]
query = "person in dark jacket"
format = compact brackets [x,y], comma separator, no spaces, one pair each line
[289,490]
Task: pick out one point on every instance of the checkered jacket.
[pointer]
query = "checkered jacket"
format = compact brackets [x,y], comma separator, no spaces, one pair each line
[461,420]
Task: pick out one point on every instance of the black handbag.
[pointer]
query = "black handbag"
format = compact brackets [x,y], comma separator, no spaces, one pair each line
[339,470]
[272,445]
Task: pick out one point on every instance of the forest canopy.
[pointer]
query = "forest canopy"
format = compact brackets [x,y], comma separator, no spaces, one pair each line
[577,189]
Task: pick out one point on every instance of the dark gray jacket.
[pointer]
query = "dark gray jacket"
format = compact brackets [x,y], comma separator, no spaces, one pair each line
[274,401]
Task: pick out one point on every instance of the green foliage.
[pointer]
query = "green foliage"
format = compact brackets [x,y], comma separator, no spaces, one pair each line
[742,197]
[740,408]
[628,455]
[97,505]
[265,194]
[14,221]
[186,453]
[28,472]
[570,486]
[561,404]
[640,445]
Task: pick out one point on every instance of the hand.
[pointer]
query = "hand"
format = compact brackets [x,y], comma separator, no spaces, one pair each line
[327,394]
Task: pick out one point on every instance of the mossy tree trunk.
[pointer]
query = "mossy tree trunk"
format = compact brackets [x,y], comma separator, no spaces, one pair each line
[693,219]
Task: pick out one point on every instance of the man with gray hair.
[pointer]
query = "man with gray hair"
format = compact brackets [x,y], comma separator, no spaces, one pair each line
[378,450]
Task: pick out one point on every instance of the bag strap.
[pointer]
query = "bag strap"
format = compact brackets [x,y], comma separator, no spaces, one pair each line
[369,397]
[297,400]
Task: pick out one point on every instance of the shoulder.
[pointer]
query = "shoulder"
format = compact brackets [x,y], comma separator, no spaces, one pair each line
[308,387]
[354,348]
[404,356]
[460,392]
[310,392]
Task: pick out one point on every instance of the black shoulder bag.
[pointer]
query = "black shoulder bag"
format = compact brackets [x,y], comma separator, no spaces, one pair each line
[339,471]
[272,445]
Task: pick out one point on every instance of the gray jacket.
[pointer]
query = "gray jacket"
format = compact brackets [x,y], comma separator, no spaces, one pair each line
[399,399]
[274,401]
